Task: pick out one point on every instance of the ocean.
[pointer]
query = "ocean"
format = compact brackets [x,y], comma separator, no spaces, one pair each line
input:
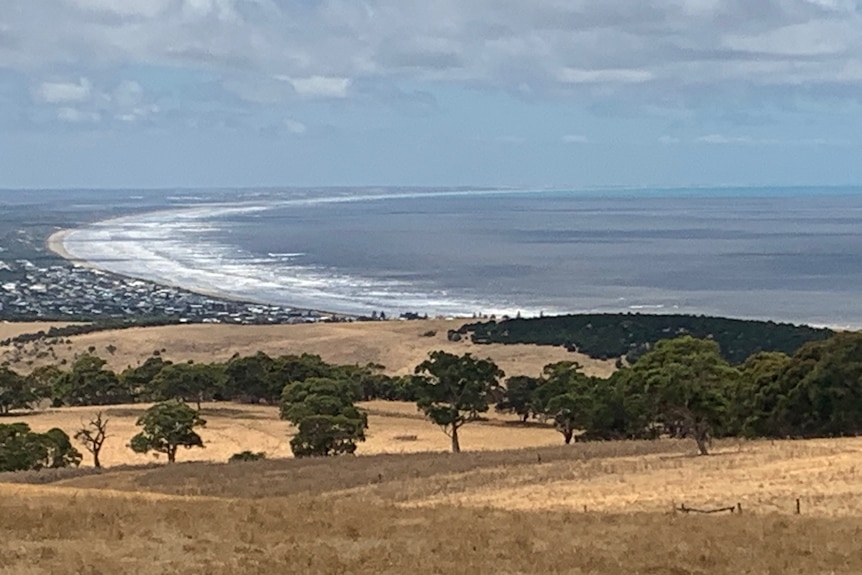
[785,254]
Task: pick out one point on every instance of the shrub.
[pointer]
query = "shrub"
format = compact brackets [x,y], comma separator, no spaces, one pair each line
[247,456]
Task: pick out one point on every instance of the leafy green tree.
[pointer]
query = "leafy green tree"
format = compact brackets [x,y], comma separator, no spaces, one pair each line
[758,409]
[819,392]
[90,383]
[622,410]
[93,436]
[316,396]
[287,369]
[327,421]
[166,427]
[370,380]
[249,379]
[42,380]
[453,390]
[16,391]
[687,383]
[324,435]
[187,381]
[138,379]
[518,396]
[22,449]
[565,396]
[60,451]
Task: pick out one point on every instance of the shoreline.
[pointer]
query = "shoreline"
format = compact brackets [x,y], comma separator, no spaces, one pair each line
[56,244]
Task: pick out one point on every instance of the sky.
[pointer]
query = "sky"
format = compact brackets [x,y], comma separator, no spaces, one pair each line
[516,93]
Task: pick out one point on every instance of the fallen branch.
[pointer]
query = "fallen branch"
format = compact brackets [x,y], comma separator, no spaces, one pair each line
[685,509]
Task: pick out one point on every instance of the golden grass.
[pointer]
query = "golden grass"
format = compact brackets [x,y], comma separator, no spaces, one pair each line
[356,515]
[396,478]
[12,329]
[230,429]
[612,477]
[394,427]
[762,477]
[398,345]
[507,466]
[89,532]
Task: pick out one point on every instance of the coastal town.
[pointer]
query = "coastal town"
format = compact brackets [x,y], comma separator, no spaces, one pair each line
[38,283]
[60,290]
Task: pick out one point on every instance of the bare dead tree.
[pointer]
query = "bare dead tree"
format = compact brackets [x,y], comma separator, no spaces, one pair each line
[93,436]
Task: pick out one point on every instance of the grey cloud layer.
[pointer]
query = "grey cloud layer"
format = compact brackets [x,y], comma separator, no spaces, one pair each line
[324,48]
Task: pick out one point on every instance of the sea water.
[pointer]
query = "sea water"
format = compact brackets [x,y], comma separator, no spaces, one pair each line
[786,254]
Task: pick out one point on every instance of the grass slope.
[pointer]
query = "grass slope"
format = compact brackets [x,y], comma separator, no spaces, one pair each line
[398,345]
[439,513]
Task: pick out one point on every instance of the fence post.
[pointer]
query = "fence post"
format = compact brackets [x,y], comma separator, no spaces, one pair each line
[798,509]
[739,507]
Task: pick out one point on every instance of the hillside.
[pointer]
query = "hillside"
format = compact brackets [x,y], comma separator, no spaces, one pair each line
[594,508]
[398,345]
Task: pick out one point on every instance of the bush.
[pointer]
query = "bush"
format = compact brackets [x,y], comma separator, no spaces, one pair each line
[247,456]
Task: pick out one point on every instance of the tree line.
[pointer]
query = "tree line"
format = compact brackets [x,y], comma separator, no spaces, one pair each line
[316,396]
[684,387]
[257,378]
[681,387]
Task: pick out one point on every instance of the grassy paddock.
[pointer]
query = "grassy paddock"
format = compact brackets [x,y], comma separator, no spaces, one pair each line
[592,508]
[385,472]
[47,530]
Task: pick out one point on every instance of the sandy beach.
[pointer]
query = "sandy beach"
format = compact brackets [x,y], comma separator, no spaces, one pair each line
[56,243]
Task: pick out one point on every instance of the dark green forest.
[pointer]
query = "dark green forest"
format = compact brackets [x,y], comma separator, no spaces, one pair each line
[604,336]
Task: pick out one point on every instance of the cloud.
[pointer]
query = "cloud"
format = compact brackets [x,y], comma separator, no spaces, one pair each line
[320,86]
[668,140]
[680,53]
[295,127]
[138,8]
[64,92]
[621,76]
[723,140]
[75,116]
[82,102]
[574,139]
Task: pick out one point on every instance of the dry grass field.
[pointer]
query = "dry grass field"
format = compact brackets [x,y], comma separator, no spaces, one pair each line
[398,345]
[516,501]
[11,329]
[429,513]
[393,428]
